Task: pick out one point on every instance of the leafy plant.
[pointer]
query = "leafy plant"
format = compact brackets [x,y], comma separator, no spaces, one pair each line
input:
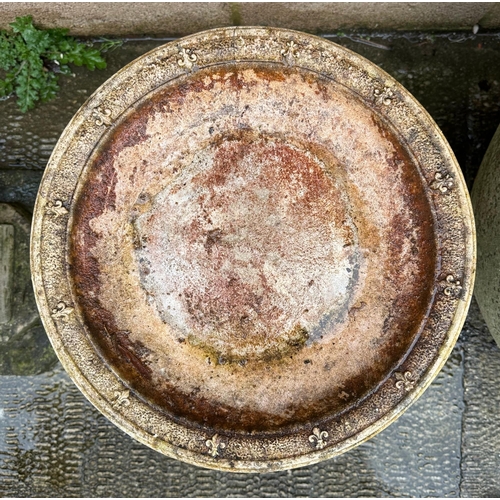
[31,60]
[108,45]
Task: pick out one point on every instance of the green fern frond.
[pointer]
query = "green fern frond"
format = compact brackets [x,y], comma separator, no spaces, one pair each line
[28,56]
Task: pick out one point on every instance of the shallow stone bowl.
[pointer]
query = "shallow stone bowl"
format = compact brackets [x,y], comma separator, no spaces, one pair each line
[252,249]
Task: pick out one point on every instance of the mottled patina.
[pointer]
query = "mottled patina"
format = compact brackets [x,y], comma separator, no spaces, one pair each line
[264,249]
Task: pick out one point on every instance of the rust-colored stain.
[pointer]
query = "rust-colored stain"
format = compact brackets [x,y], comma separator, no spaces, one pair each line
[253,249]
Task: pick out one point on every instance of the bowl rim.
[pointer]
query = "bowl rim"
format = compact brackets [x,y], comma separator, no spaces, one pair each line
[52,222]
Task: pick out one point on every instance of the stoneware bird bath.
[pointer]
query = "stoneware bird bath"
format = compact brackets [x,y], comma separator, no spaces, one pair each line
[252,249]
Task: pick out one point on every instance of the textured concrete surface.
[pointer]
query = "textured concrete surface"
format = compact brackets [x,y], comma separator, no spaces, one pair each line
[122,19]
[53,443]
[491,18]
[481,438]
[175,19]
[328,16]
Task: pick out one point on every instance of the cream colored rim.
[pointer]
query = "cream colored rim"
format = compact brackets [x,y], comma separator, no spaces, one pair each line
[446,191]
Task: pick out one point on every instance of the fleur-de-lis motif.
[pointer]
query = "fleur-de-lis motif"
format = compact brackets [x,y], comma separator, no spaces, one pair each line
[61,311]
[442,182]
[121,398]
[188,57]
[56,208]
[291,50]
[102,116]
[385,96]
[240,43]
[452,287]
[214,445]
[405,380]
[318,438]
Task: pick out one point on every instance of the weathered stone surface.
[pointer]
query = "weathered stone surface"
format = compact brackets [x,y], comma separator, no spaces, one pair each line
[176,19]
[122,19]
[491,19]
[52,442]
[7,244]
[480,461]
[19,186]
[329,17]
[24,347]
[268,362]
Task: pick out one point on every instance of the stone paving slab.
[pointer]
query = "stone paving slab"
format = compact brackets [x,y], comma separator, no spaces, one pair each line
[175,18]
[54,443]
[481,423]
